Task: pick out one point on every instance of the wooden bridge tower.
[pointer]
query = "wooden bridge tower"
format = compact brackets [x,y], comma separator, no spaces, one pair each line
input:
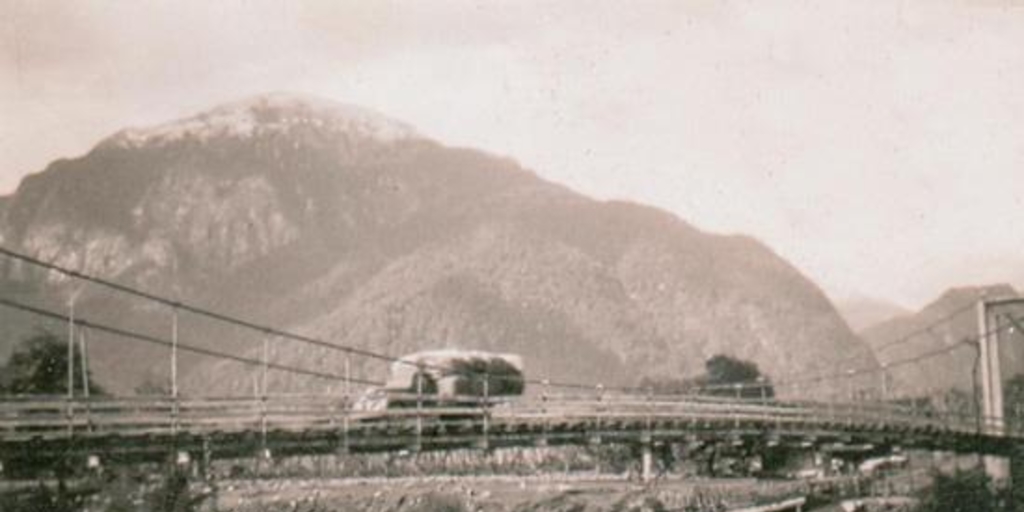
[990,375]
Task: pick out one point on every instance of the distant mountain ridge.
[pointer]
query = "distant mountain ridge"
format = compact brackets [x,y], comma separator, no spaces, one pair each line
[949,322]
[343,224]
[863,312]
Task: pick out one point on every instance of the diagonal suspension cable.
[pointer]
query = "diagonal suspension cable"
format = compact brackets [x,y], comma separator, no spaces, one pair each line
[269,330]
[899,362]
[184,306]
[907,337]
[146,338]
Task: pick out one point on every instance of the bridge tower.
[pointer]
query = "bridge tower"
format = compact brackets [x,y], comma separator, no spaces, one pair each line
[990,375]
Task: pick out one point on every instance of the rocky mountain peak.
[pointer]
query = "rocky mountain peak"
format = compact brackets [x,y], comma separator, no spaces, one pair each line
[277,112]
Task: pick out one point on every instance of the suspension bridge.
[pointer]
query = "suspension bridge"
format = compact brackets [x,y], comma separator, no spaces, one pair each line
[136,429]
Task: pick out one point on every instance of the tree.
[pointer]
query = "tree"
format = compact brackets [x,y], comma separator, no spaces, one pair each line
[724,371]
[39,365]
[1013,398]
[502,377]
[1013,410]
[963,491]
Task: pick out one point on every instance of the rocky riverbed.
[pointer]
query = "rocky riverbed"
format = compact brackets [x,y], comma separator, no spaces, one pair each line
[493,495]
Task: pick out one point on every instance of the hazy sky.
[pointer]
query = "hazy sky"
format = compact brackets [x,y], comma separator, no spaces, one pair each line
[878,145]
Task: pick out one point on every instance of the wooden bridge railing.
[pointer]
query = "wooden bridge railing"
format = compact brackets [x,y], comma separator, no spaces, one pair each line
[51,417]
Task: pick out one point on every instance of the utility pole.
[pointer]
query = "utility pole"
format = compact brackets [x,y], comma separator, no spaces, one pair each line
[174,370]
[71,348]
[885,383]
[348,401]
[83,360]
[72,331]
[83,348]
[264,362]
[849,384]
[71,366]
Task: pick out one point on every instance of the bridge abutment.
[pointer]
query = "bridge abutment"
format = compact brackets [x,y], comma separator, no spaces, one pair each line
[997,468]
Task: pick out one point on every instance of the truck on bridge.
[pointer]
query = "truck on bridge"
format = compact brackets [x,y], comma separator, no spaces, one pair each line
[447,377]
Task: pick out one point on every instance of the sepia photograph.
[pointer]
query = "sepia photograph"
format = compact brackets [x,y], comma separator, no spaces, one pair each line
[511,256]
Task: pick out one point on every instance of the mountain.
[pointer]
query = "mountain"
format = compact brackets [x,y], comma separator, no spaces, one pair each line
[340,223]
[948,328]
[862,312]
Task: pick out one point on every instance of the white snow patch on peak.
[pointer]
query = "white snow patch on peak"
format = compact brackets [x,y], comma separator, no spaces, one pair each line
[276,111]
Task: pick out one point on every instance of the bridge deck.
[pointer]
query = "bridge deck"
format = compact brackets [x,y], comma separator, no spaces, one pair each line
[147,426]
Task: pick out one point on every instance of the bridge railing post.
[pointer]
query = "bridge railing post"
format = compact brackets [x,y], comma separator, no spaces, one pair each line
[918,413]
[885,382]
[486,410]
[762,384]
[831,406]
[1015,423]
[738,387]
[851,407]
[69,416]
[544,393]
[648,421]
[545,420]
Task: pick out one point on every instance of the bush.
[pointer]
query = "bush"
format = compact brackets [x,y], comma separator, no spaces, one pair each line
[41,498]
[963,491]
[39,365]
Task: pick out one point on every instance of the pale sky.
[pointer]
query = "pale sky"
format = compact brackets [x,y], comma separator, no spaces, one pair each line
[877,145]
